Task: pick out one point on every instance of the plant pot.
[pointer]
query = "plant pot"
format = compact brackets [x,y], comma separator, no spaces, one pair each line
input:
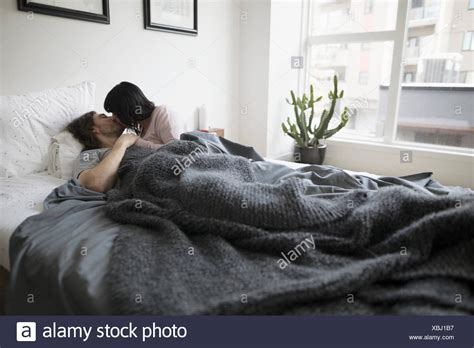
[310,155]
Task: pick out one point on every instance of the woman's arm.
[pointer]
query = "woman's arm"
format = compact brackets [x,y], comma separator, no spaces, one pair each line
[148,144]
[166,125]
[162,127]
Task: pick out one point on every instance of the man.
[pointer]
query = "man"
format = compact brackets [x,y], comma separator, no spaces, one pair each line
[105,145]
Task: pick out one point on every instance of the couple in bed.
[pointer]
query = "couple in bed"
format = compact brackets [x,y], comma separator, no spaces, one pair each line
[104,139]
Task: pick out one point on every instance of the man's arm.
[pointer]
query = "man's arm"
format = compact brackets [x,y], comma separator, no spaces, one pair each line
[102,177]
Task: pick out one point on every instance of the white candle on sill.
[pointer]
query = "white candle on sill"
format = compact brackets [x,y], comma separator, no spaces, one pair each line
[203,120]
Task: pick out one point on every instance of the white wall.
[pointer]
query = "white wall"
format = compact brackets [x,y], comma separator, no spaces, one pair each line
[254,72]
[270,36]
[287,32]
[178,70]
[1,46]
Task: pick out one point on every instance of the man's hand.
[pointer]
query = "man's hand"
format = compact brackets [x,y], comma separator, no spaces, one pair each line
[126,140]
[102,177]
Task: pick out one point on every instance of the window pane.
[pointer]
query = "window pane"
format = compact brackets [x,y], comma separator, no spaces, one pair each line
[467,41]
[416,3]
[346,16]
[436,100]
[363,72]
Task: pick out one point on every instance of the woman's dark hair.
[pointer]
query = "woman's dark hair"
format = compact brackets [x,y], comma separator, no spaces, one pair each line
[81,129]
[128,102]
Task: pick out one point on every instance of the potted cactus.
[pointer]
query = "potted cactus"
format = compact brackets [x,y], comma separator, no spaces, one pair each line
[308,146]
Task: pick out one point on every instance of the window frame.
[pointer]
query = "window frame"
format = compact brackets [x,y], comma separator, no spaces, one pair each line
[406,74]
[398,36]
[470,5]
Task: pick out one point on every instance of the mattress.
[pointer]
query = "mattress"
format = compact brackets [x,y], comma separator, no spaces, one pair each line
[21,197]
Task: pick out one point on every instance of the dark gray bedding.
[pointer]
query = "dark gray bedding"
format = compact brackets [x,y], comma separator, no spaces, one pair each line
[191,249]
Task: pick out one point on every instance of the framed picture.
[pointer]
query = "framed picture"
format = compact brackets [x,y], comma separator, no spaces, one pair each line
[86,10]
[176,16]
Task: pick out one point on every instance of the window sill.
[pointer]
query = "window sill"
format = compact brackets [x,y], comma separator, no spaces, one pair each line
[376,144]
[449,167]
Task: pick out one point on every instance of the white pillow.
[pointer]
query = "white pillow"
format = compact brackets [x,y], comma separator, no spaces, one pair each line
[28,122]
[63,151]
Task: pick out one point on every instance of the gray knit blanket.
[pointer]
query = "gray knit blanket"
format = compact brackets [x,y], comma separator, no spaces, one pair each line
[205,237]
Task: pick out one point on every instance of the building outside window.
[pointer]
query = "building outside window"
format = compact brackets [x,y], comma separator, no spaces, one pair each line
[436,82]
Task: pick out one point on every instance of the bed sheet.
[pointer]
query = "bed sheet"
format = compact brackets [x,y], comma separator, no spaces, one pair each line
[296,165]
[21,197]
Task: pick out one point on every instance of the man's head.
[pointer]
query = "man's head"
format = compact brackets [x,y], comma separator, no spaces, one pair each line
[95,130]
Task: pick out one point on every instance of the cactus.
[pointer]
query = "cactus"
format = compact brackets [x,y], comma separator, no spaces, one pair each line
[304,133]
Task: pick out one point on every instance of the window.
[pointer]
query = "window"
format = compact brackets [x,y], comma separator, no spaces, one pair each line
[468,43]
[408,77]
[340,71]
[411,82]
[471,5]
[412,41]
[368,5]
[413,47]
[416,3]
[466,77]
[333,16]
[363,77]
[365,67]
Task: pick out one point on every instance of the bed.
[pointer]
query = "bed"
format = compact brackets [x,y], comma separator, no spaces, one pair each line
[207,226]
[21,197]
[37,154]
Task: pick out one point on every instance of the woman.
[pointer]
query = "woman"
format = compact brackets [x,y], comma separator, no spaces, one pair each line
[132,109]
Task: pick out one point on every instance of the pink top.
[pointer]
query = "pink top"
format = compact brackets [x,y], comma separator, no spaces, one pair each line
[161,130]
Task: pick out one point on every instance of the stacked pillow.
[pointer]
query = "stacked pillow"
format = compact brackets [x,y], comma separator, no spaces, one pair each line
[63,151]
[29,122]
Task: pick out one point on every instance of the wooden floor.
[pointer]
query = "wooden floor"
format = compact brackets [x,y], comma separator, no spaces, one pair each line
[3,288]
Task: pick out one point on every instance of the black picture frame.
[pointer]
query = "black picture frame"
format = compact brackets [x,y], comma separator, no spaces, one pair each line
[168,28]
[104,18]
